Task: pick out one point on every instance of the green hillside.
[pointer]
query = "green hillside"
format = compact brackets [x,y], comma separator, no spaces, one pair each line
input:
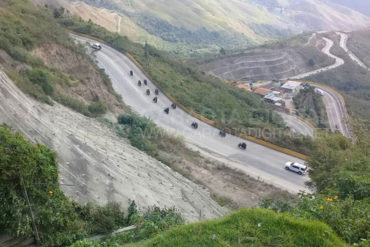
[246,227]
[254,227]
[24,28]
[191,28]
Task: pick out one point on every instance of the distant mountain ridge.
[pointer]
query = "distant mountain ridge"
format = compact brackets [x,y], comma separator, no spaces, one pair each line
[195,26]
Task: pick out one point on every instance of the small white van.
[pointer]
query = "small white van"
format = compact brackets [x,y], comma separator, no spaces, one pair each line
[296,167]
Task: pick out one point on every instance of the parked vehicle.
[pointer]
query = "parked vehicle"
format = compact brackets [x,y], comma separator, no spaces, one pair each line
[242,145]
[167,110]
[156,91]
[96,46]
[174,106]
[131,73]
[148,92]
[145,83]
[222,133]
[296,167]
[139,83]
[155,99]
[194,125]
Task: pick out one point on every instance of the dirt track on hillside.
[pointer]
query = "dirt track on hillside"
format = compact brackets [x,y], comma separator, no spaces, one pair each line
[95,164]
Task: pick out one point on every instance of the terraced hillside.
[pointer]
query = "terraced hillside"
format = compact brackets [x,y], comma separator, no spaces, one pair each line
[276,61]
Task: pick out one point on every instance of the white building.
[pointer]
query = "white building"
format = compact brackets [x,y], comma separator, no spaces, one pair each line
[291,87]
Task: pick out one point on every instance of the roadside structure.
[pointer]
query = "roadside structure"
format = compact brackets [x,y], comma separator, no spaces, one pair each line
[262,91]
[291,87]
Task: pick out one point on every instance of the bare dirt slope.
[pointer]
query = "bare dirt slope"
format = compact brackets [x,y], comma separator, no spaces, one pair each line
[90,84]
[96,165]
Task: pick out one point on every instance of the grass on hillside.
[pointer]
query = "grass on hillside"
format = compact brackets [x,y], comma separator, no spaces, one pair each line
[25,27]
[253,227]
[192,29]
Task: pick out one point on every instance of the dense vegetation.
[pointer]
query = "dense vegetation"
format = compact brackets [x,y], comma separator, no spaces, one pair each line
[228,106]
[24,27]
[309,105]
[29,181]
[148,225]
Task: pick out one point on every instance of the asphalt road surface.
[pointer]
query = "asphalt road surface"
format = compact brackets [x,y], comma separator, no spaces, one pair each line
[336,111]
[258,161]
[297,125]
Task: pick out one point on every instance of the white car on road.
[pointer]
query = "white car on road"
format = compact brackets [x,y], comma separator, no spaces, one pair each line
[296,167]
[96,46]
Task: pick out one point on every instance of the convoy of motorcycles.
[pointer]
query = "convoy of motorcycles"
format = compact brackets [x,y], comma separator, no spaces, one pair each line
[194,125]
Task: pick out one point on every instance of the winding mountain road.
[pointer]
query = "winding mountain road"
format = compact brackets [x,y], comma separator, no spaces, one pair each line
[343,45]
[258,161]
[326,50]
[334,103]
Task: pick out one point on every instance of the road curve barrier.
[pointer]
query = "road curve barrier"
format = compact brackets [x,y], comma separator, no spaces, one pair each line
[87,36]
[201,117]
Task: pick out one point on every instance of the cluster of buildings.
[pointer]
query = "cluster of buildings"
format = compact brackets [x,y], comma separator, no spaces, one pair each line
[276,96]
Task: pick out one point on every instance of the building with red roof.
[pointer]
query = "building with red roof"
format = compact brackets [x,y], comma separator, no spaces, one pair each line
[262,91]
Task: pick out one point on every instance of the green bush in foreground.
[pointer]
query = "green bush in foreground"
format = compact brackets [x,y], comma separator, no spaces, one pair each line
[25,167]
[32,169]
[148,225]
[254,227]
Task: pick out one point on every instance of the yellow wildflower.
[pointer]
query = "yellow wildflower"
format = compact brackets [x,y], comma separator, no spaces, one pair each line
[335,197]
[321,207]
